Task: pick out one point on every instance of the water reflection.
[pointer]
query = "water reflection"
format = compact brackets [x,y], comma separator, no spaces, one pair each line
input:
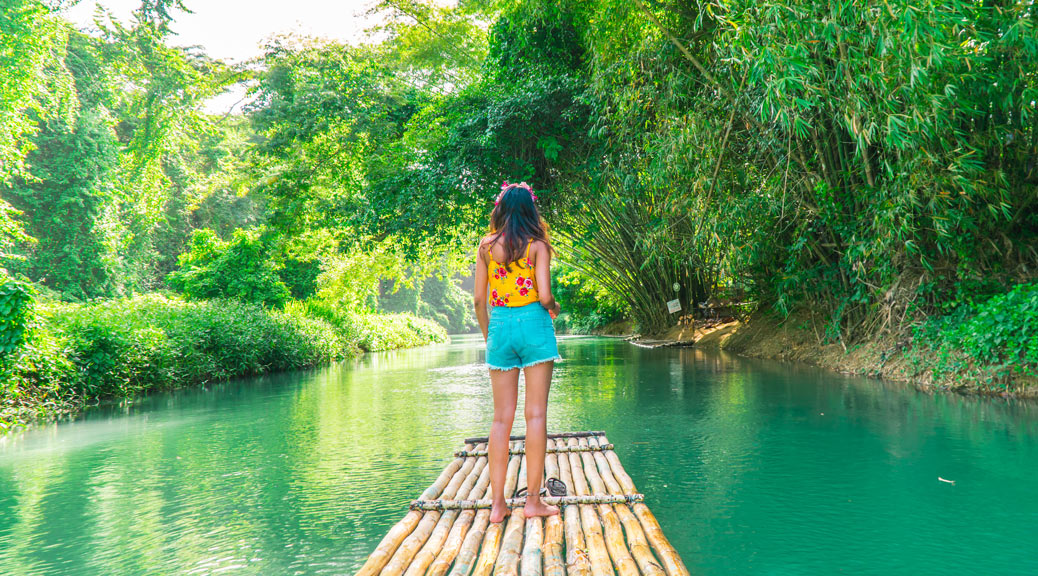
[750,466]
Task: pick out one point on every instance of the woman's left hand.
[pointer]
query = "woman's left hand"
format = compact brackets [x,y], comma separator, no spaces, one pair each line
[554,312]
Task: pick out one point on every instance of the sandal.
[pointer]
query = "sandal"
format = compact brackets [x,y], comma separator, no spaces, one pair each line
[556,487]
[553,487]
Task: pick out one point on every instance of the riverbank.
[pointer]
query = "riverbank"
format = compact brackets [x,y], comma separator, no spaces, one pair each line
[906,359]
[77,355]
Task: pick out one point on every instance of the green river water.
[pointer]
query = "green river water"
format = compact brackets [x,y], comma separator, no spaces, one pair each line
[751,467]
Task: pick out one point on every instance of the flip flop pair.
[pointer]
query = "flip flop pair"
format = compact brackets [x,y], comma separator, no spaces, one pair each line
[553,487]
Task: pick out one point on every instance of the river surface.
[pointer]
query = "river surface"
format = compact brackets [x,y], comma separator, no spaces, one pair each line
[751,467]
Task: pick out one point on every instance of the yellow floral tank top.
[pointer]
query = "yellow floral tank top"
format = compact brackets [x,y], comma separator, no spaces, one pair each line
[517,287]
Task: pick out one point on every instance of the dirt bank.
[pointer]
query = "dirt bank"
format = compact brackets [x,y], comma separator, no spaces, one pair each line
[888,358]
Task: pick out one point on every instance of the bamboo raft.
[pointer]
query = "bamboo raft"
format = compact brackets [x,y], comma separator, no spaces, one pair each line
[603,527]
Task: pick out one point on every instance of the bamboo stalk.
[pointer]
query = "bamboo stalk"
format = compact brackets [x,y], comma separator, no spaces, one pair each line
[578,561]
[507,562]
[595,433]
[467,552]
[492,538]
[531,564]
[388,546]
[410,546]
[460,528]
[600,563]
[614,535]
[551,549]
[636,540]
[672,563]
[431,549]
[522,450]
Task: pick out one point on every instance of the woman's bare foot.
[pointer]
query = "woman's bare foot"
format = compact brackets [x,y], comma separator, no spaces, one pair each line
[498,512]
[539,508]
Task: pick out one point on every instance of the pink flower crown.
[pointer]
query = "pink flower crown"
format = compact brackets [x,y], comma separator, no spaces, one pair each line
[505,186]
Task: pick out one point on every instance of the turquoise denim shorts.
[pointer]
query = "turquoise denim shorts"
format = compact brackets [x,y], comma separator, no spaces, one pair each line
[520,336]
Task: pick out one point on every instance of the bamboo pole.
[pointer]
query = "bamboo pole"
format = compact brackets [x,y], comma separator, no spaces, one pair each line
[410,546]
[600,563]
[507,562]
[431,549]
[387,547]
[467,552]
[551,548]
[636,540]
[522,450]
[672,563]
[531,564]
[468,555]
[578,562]
[492,538]
[479,439]
[460,528]
[614,535]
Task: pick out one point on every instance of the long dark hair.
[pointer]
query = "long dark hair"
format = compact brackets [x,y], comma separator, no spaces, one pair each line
[515,221]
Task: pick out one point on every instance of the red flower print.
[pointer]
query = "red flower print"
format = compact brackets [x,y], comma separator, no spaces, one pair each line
[520,281]
[494,293]
[529,283]
[502,272]
[523,291]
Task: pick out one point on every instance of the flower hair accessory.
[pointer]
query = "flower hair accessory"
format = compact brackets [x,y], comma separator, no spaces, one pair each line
[505,186]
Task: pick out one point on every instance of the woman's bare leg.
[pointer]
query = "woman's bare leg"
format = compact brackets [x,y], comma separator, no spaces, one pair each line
[505,384]
[538,381]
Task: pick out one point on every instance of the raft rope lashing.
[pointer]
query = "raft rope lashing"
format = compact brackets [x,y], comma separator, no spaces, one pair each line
[517,502]
[522,450]
[584,434]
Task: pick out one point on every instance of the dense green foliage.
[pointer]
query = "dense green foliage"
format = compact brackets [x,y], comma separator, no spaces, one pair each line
[86,353]
[990,341]
[239,268]
[16,314]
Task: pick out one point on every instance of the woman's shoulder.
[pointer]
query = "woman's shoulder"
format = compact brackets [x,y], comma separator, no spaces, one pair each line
[486,241]
[538,245]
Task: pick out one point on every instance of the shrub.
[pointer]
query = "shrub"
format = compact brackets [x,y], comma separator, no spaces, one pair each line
[990,341]
[123,347]
[240,268]
[81,353]
[389,331]
[16,311]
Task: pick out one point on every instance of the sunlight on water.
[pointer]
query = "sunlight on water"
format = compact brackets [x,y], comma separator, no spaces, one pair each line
[751,467]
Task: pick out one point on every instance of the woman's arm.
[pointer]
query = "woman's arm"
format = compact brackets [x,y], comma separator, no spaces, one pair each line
[542,270]
[479,292]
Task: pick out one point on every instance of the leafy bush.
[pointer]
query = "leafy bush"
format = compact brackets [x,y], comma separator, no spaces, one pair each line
[123,347]
[989,341]
[80,353]
[240,268]
[16,311]
[389,331]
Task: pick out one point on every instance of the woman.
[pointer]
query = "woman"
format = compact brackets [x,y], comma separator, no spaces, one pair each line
[512,264]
